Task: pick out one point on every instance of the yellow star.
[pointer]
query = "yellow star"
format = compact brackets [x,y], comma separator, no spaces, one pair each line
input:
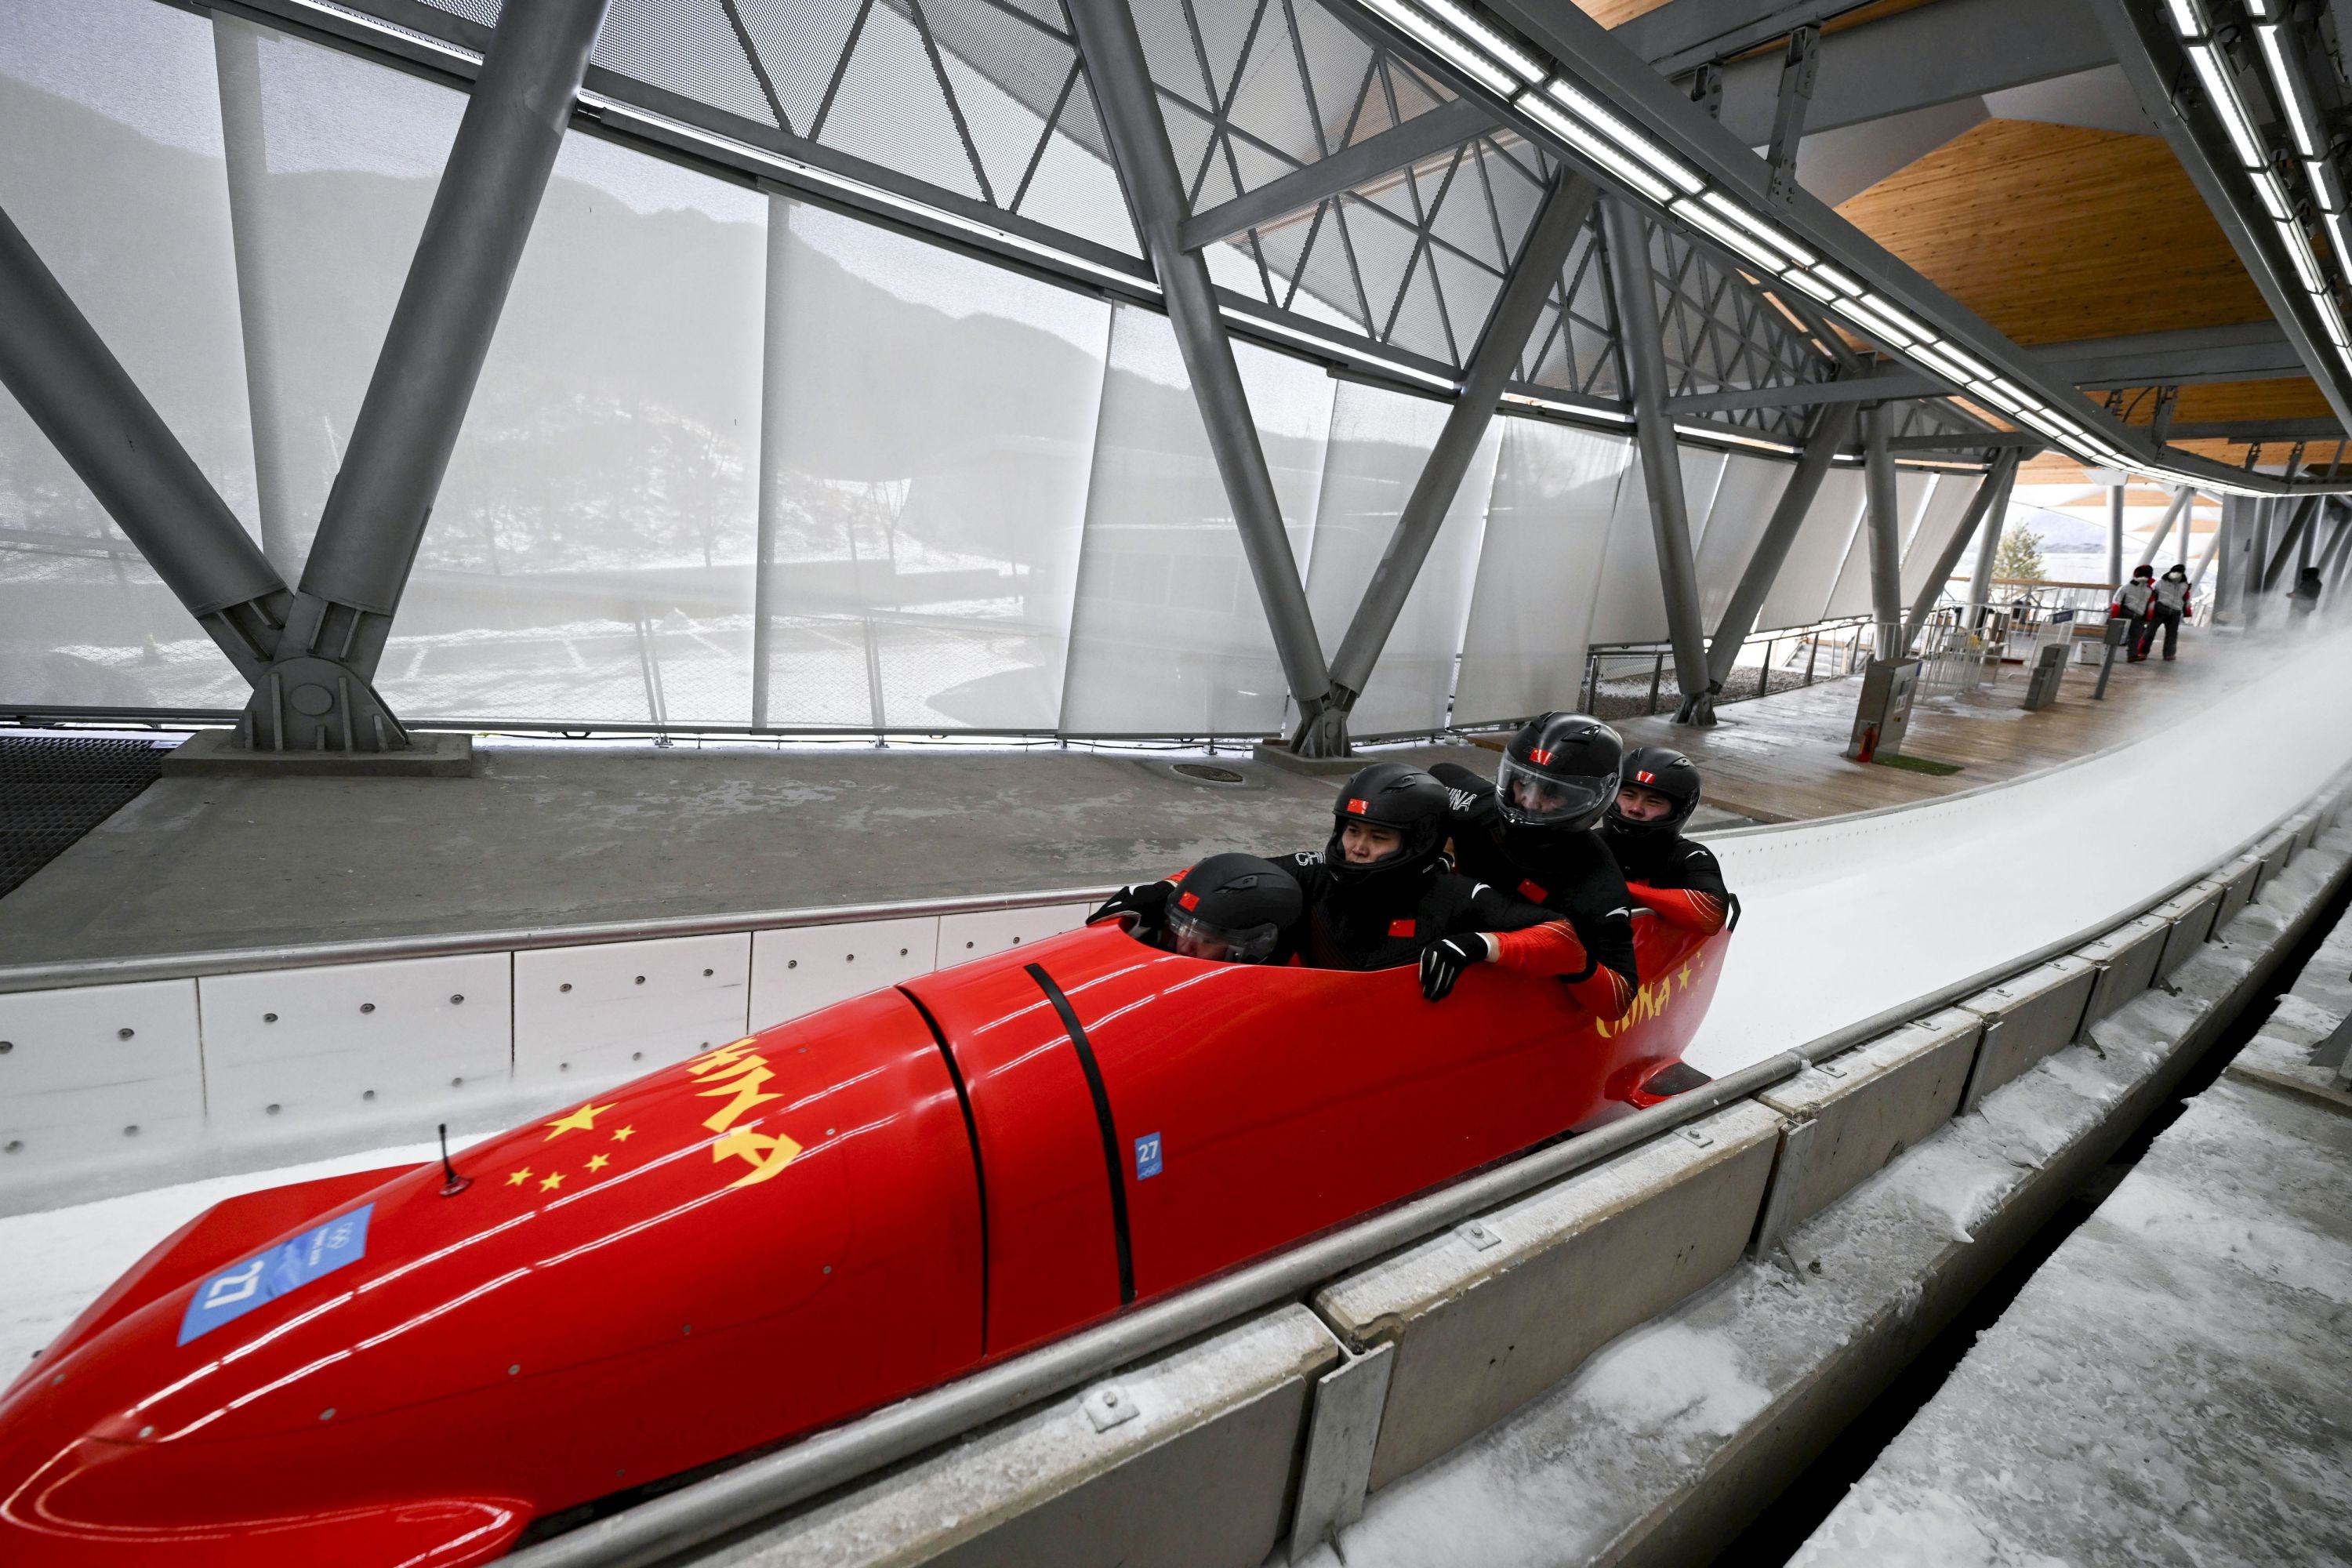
[553,1180]
[598,1162]
[621,1135]
[1684,976]
[519,1177]
[583,1120]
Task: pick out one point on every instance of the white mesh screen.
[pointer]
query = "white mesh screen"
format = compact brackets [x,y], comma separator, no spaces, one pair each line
[1632,607]
[590,552]
[1852,595]
[1802,588]
[111,165]
[1380,443]
[930,426]
[1168,636]
[1947,504]
[1744,500]
[1539,569]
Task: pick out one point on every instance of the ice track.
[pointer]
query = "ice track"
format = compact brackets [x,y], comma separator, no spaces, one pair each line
[1842,920]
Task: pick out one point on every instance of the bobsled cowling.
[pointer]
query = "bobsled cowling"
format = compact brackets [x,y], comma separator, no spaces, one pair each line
[775,1236]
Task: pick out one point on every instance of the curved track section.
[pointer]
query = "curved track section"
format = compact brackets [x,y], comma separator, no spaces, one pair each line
[1847,917]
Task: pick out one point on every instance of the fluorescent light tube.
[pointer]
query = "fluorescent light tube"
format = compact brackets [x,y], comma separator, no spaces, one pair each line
[2188,19]
[1810,285]
[2272,196]
[1514,58]
[2298,251]
[2214,73]
[1864,314]
[1591,146]
[2332,321]
[2326,184]
[1837,277]
[2339,239]
[1445,45]
[1764,233]
[1669,168]
[2295,93]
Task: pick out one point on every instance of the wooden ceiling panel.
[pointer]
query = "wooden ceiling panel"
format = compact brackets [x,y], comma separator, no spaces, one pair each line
[2054,233]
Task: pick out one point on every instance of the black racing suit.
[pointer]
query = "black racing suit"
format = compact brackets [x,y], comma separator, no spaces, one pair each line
[1677,877]
[1383,920]
[1570,874]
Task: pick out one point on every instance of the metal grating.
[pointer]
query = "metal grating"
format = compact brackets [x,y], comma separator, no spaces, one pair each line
[979,100]
[1574,345]
[54,789]
[1722,335]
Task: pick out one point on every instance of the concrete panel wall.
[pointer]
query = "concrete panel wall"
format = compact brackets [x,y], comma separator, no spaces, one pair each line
[1199,1472]
[2190,914]
[2026,1019]
[86,1073]
[247,1068]
[1870,1104]
[1488,1315]
[2239,881]
[2127,958]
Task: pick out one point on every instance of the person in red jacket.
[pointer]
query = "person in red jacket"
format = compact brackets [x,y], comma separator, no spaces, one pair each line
[2132,602]
[1676,876]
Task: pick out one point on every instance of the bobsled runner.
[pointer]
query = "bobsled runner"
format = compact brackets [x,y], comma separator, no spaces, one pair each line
[390,1368]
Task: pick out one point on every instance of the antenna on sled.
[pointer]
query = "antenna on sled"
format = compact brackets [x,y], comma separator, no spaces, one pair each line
[456,1183]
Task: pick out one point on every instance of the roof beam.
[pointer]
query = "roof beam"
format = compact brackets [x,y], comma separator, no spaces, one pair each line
[1424,136]
[1916,59]
[2152,59]
[1685,33]
[2252,430]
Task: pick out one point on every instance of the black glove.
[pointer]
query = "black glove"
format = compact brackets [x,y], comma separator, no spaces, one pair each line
[1443,961]
[1149,902]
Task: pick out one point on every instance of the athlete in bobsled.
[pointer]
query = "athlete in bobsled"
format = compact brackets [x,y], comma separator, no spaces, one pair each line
[1665,871]
[1532,830]
[1382,895]
[1229,909]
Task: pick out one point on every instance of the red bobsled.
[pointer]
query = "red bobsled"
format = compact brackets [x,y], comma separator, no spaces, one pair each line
[772,1236]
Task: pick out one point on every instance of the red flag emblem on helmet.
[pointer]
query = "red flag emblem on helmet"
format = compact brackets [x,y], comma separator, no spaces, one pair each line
[1189,900]
[1647,778]
[1534,891]
[1538,756]
[1400,928]
[1356,808]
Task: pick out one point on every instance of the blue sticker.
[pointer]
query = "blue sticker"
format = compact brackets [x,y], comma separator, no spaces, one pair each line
[232,1292]
[1147,1155]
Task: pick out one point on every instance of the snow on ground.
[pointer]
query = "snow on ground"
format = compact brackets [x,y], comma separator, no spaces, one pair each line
[60,1260]
[1847,917]
[2167,1389]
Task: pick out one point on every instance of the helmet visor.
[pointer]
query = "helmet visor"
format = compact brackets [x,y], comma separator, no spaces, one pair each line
[1193,937]
[1541,799]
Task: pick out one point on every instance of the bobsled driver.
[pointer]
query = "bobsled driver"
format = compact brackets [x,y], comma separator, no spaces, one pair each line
[1643,829]
[1233,909]
[1532,830]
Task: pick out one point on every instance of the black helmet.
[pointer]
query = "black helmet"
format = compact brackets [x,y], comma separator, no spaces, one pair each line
[1558,773]
[1234,908]
[1670,773]
[2178,569]
[1391,794]
[2143,570]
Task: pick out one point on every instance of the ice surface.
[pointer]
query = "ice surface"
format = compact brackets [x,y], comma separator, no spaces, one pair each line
[1845,919]
[2168,1389]
[60,1261]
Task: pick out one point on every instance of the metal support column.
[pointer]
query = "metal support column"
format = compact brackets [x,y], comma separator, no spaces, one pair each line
[1991,498]
[2116,531]
[2178,509]
[1113,55]
[2250,590]
[317,693]
[1626,234]
[1831,425]
[1886,531]
[1988,549]
[2187,516]
[70,386]
[1797,68]
[1492,366]
[2298,531]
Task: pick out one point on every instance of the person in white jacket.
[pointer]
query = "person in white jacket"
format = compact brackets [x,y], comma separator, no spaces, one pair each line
[2169,608]
[2132,605]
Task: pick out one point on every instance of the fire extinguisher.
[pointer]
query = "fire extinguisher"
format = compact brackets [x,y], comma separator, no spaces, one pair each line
[1869,744]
